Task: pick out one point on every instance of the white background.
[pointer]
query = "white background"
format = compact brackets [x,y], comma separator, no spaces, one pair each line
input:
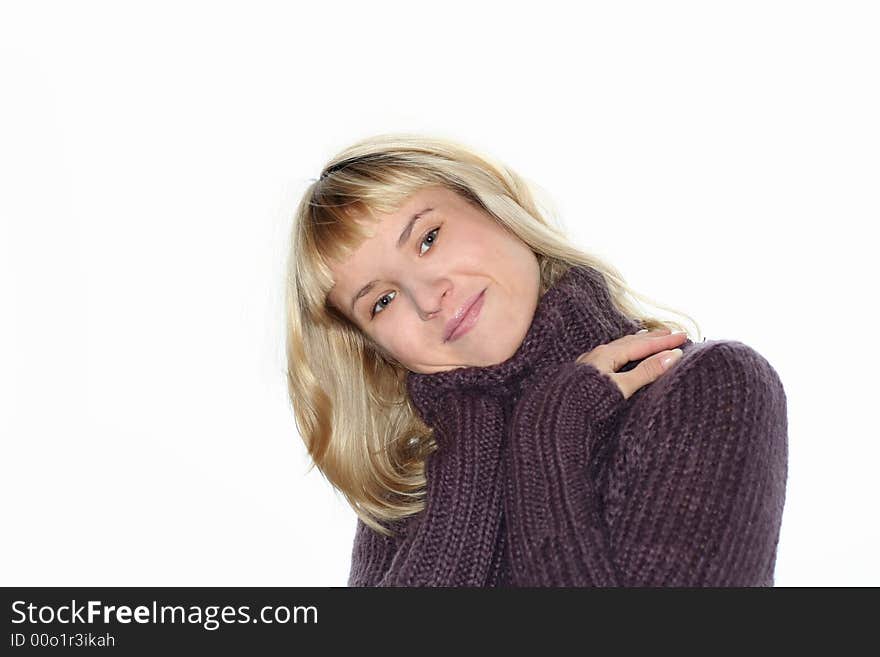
[724,156]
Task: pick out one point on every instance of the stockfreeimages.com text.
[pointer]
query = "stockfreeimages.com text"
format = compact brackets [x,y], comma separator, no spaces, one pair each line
[210,617]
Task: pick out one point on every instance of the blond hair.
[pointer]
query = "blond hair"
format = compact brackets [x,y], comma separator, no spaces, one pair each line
[348,394]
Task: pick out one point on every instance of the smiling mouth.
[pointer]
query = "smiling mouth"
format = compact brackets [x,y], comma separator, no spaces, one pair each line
[468,318]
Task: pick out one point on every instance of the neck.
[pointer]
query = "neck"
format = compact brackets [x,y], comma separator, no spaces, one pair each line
[574,316]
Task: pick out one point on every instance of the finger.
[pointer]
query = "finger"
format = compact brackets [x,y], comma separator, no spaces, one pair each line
[648,371]
[623,352]
[611,356]
[657,331]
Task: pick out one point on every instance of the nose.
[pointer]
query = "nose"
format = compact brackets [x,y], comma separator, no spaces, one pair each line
[429,299]
[426,315]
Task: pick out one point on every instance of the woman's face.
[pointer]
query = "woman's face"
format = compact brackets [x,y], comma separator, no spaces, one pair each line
[452,254]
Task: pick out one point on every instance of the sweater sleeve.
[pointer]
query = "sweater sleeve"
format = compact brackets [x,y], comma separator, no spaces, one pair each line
[694,495]
[452,541]
[555,531]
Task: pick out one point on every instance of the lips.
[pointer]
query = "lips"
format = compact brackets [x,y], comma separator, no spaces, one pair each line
[460,314]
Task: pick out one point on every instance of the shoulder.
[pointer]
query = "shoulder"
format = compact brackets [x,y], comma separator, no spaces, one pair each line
[713,370]
[726,361]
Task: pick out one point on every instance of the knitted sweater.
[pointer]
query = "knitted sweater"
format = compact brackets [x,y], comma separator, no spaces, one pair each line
[546,475]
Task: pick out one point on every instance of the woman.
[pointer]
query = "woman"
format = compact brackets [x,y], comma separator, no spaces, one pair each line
[493,406]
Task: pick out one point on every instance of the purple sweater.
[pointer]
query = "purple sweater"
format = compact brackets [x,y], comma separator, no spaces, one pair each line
[547,476]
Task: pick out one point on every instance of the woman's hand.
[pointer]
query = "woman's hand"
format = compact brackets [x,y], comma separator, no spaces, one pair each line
[608,358]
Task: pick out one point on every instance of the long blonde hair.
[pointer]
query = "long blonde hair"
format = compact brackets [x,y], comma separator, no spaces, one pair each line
[348,394]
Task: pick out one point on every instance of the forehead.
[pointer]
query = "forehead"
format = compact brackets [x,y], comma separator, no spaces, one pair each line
[435,195]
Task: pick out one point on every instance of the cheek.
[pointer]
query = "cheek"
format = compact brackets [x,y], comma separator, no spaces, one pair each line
[494,245]
[401,339]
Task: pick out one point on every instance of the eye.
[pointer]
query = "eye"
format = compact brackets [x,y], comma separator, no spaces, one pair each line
[430,235]
[380,304]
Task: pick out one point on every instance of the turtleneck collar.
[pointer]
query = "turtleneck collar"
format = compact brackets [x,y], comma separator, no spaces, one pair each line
[574,316]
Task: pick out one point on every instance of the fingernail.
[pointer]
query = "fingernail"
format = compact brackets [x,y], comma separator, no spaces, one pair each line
[642,331]
[673,356]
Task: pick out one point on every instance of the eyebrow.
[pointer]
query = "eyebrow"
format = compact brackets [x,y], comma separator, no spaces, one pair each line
[403,239]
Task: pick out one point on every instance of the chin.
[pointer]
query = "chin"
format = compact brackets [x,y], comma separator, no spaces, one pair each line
[495,356]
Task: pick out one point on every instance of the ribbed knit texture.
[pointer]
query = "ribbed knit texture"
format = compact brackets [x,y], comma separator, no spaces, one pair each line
[547,476]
